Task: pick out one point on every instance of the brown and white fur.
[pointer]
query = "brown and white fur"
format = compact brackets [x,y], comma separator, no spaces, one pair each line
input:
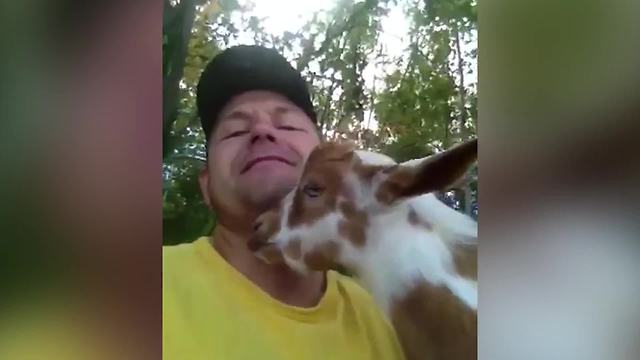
[362,212]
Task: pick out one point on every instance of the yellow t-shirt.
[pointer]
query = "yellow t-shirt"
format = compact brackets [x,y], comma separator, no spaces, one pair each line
[211,311]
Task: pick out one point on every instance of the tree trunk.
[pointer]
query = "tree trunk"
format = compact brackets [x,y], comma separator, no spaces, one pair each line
[178,30]
[468,201]
[371,101]
[327,103]
[462,96]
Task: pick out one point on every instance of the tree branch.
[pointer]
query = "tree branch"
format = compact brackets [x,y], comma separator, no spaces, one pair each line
[186,157]
[331,34]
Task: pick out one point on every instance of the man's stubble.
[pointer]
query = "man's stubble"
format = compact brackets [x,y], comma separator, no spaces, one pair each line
[266,196]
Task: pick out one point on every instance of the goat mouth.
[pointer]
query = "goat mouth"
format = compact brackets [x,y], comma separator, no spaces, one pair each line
[251,163]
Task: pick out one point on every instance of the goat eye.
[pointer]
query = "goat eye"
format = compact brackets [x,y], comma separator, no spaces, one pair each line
[312,190]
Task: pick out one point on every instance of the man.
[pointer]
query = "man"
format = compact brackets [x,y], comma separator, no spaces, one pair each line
[219,300]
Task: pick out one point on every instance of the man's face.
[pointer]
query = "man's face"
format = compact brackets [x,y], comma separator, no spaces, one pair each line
[256,153]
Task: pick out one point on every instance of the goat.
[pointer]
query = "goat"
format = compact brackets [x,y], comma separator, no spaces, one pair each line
[363,212]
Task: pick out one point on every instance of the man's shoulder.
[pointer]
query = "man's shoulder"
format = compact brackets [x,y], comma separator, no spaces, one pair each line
[348,286]
[183,251]
[182,258]
[348,283]
[170,251]
[368,311]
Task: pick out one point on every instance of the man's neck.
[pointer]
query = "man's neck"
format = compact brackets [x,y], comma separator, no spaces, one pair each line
[279,281]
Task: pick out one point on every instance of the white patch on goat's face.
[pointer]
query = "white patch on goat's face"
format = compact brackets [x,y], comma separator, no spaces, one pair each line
[312,238]
[367,183]
[372,158]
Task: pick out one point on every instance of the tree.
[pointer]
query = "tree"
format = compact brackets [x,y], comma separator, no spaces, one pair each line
[423,102]
[176,27]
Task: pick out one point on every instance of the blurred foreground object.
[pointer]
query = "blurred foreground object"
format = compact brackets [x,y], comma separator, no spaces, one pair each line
[559,111]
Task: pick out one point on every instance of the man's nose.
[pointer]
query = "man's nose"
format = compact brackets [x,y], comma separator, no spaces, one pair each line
[262,129]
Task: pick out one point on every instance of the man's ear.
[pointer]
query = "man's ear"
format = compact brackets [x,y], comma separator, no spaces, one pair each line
[438,172]
[203,180]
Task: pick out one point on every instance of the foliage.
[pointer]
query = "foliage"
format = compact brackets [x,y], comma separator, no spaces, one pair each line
[418,102]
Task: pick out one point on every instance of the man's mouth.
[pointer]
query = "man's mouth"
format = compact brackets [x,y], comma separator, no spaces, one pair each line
[251,163]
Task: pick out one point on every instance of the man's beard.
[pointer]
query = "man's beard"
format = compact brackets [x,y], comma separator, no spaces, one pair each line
[266,199]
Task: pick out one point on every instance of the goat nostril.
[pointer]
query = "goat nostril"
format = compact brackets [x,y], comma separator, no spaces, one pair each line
[257,225]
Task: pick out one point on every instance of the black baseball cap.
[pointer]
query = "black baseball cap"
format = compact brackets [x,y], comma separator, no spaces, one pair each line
[244,68]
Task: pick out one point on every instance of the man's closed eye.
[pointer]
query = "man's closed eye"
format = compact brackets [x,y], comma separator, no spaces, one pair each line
[290,128]
[235,134]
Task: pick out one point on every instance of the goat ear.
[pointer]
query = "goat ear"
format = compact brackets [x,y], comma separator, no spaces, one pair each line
[333,151]
[436,173]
